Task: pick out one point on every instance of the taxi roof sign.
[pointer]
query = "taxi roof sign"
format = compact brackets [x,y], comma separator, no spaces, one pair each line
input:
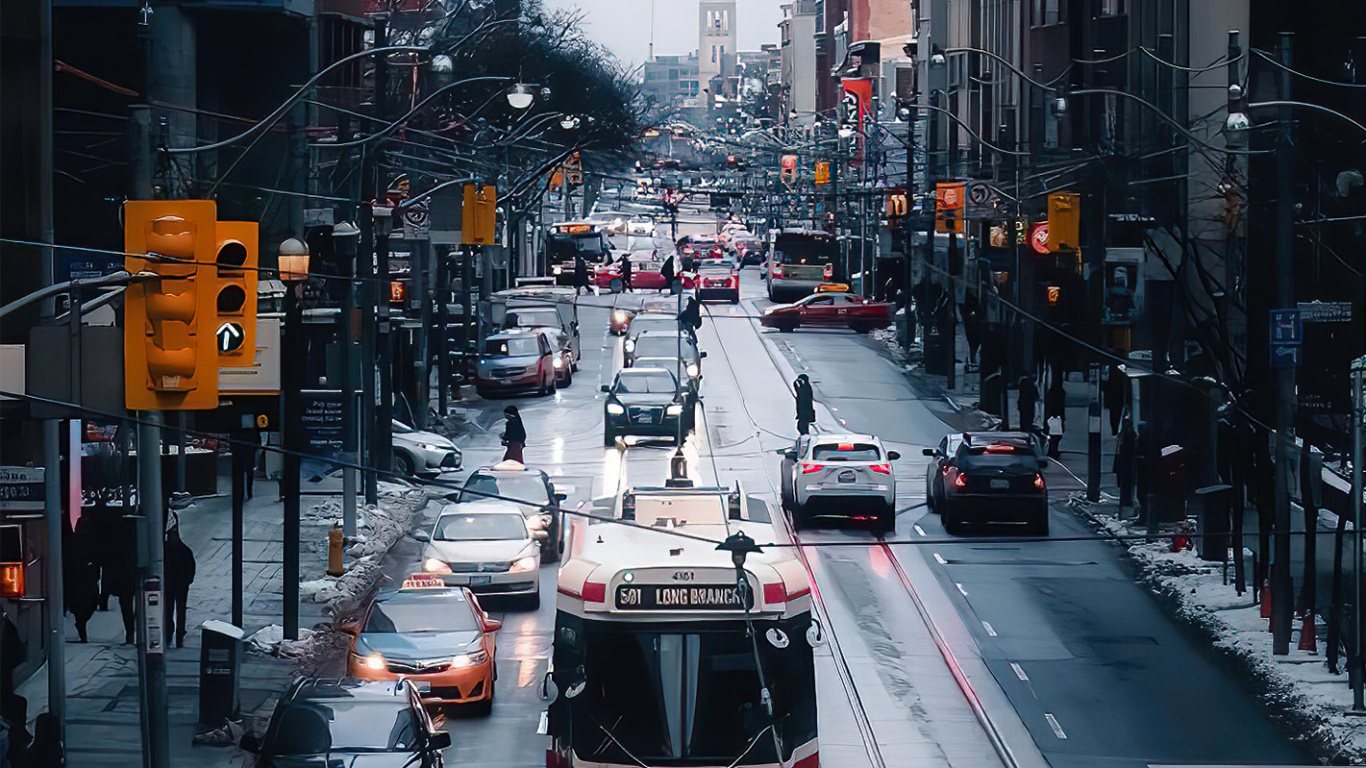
[423,581]
[832,288]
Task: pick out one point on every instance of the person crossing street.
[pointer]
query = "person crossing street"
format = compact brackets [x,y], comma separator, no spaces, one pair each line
[625,266]
[806,404]
[666,273]
[514,435]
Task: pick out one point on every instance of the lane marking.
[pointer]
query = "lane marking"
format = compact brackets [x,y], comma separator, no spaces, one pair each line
[1019,672]
[938,558]
[1053,723]
[919,530]
[960,588]
[988,628]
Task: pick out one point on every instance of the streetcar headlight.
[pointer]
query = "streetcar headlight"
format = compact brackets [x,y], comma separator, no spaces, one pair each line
[559,362]
[630,346]
[674,409]
[615,409]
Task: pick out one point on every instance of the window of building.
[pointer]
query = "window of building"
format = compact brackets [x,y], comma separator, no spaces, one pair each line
[725,21]
[1111,7]
[713,54]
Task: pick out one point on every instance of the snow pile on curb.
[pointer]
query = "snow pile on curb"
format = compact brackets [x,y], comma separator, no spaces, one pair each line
[1298,687]
[270,641]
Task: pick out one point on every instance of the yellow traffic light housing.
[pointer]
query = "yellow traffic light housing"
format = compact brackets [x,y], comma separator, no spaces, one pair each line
[237,260]
[1064,221]
[480,215]
[170,360]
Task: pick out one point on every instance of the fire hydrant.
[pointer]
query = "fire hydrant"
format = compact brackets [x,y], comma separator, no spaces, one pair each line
[335,541]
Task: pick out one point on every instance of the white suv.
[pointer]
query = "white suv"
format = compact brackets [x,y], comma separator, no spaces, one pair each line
[846,475]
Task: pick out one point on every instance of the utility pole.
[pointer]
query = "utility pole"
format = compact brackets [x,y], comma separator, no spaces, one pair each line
[291,385]
[381,449]
[152,643]
[422,273]
[1358,426]
[1282,589]
[443,320]
[344,241]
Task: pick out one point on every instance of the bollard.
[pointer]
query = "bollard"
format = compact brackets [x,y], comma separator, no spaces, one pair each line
[335,541]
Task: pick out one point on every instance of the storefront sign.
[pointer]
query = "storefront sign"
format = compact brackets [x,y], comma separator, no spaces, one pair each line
[1038,238]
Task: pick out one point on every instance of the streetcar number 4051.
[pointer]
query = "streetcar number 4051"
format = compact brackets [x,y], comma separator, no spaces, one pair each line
[683,576]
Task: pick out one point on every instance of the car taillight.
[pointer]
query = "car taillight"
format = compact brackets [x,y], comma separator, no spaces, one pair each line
[829,271]
[808,468]
[594,592]
[777,272]
[733,281]
[960,480]
[1038,481]
[882,469]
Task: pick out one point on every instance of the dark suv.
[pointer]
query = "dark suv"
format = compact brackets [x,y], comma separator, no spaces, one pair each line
[336,721]
[991,478]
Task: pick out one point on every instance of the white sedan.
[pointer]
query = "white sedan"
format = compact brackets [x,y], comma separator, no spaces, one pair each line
[487,546]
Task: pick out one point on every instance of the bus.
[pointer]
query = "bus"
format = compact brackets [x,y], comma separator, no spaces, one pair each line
[568,239]
[798,261]
[660,649]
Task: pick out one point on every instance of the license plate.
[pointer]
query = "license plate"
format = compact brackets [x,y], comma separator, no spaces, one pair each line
[480,581]
[847,476]
[1000,485]
[422,686]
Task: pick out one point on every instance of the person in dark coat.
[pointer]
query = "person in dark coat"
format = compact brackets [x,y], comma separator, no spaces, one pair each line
[806,403]
[666,272]
[47,750]
[11,652]
[691,316]
[1115,393]
[82,573]
[179,564]
[1027,402]
[120,572]
[580,274]
[1125,455]
[514,435]
[625,265]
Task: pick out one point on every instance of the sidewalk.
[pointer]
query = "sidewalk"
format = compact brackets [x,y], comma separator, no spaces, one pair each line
[103,718]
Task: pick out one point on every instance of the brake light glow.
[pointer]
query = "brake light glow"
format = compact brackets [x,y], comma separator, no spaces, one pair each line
[998,448]
[882,469]
[777,593]
[829,271]
[960,480]
[808,467]
[846,446]
[777,272]
[1038,481]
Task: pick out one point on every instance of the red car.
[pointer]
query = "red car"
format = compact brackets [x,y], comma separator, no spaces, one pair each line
[830,310]
[645,276]
[700,247]
[719,279]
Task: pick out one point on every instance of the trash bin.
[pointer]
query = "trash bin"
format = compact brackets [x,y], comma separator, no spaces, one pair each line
[1171,484]
[1213,525]
[220,665]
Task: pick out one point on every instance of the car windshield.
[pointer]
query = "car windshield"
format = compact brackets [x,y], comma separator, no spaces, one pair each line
[344,725]
[661,346]
[534,318]
[424,615]
[480,527]
[654,382]
[526,488]
[845,452]
[519,347]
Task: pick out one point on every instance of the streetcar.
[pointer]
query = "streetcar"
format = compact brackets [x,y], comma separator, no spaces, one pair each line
[659,648]
[568,239]
[799,260]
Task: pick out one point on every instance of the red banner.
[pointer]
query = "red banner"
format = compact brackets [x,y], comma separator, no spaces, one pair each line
[856,104]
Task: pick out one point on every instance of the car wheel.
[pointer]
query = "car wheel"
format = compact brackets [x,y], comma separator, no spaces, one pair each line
[569,377]
[403,463]
[886,521]
[485,707]
[736,298]
[929,500]
[859,328]
[533,603]
[951,525]
[615,285]
[1040,526]
[798,518]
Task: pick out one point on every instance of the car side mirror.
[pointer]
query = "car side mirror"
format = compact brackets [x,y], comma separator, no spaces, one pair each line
[605,388]
[702,355]
[249,743]
[930,451]
[439,740]
[422,536]
[492,625]
[893,455]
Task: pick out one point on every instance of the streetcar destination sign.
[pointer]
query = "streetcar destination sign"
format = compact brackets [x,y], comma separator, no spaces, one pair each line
[667,597]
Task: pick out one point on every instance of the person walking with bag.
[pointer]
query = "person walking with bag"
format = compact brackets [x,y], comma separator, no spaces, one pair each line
[514,435]
[806,403]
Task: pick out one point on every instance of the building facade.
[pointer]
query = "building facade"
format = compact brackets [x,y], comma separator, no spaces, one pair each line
[716,39]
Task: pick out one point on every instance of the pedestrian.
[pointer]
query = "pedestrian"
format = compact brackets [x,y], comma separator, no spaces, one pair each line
[119,578]
[14,715]
[1124,463]
[82,573]
[514,435]
[11,653]
[625,265]
[666,273]
[806,403]
[691,316]
[47,750]
[1055,416]
[179,566]
[580,274]
[1028,400]
[1115,392]
[1142,469]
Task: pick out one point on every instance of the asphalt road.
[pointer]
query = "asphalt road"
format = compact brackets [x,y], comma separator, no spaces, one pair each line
[1072,661]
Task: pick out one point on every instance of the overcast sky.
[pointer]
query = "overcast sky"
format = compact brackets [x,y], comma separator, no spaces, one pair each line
[624,25]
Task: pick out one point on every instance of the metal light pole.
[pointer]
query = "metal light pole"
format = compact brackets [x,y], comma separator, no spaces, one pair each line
[1282,589]
[344,238]
[294,259]
[1358,426]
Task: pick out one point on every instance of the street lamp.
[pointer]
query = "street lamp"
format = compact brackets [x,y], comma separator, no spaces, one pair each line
[293,261]
[569,123]
[293,268]
[520,97]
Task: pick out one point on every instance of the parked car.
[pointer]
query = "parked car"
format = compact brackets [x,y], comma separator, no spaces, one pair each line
[515,360]
[994,478]
[487,545]
[647,402]
[848,476]
[830,310]
[349,722]
[537,498]
[719,278]
[423,454]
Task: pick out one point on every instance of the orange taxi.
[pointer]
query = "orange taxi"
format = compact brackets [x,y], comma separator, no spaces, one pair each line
[434,635]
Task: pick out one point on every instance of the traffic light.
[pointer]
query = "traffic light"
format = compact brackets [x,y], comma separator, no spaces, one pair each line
[481,216]
[896,204]
[1064,221]
[949,207]
[237,260]
[169,357]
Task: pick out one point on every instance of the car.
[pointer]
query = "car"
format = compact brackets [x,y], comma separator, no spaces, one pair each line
[830,310]
[515,360]
[690,384]
[640,225]
[995,478]
[750,250]
[646,275]
[942,458]
[487,545]
[436,636]
[666,344]
[646,402]
[839,475]
[660,317]
[418,453]
[719,279]
[694,248]
[349,722]
[619,323]
[564,362]
[560,314]
[537,498]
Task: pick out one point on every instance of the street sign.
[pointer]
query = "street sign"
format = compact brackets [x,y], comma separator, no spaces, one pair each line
[1286,328]
[1285,356]
[22,489]
[1325,311]
[1038,238]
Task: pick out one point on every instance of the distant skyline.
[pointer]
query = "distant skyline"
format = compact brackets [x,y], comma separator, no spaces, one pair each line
[624,25]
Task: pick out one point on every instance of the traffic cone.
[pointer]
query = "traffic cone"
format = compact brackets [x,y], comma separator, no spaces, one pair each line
[1266,599]
[1308,638]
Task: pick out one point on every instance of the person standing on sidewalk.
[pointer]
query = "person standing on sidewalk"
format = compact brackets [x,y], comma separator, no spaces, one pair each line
[82,576]
[1115,393]
[1027,402]
[120,572]
[580,274]
[514,435]
[625,266]
[806,403]
[47,750]
[179,574]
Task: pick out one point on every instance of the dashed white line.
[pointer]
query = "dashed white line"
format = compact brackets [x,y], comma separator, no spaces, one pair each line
[919,530]
[1053,723]
[960,588]
[989,629]
[938,558]
[1019,672]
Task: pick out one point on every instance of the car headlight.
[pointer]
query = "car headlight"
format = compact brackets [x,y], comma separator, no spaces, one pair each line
[469,659]
[615,409]
[692,369]
[555,270]
[618,316]
[375,661]
[428,447]
[674,409]
[524,564]
[433,565]
[630,346]
[559,362]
